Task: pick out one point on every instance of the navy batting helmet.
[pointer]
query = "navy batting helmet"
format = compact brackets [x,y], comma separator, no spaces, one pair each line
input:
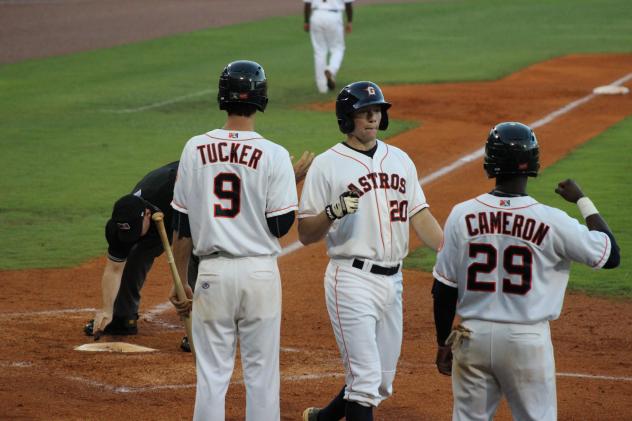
[511,149]
[243,82]
[359,95]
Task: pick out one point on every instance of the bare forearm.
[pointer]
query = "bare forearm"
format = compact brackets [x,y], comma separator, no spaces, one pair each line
[427,229]
[111,283]
[314,228]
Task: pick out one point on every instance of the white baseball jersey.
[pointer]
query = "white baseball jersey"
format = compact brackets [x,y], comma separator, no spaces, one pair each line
[365,308]
[327,36]
[510,257]
[232,176]
[338,5]
[390,195]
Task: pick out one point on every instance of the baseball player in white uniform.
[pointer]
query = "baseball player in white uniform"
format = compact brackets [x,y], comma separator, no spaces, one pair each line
[361,195]
[238,191]
[504,267]
[325,24]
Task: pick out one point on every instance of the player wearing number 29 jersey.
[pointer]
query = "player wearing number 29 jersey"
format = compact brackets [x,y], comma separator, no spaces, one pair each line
[503,267]
[238,191]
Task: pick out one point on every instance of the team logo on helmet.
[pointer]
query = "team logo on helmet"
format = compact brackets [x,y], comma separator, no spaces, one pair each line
[370,90]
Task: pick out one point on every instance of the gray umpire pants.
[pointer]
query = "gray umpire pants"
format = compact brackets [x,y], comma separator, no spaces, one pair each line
[137,266]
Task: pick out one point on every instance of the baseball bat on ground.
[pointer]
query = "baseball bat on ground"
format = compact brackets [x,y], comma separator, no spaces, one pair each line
[158,218]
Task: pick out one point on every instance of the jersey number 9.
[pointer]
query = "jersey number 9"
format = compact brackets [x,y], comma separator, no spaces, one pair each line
[227,187]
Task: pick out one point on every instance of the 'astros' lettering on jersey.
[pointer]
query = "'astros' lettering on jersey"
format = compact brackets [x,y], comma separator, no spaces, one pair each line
[389,195]
[510,257]
[233,175]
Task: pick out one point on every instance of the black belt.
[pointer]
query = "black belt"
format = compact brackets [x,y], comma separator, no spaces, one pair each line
[377,269]
[329,10]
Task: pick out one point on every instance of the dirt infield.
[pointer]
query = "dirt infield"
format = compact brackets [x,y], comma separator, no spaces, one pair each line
[43,310]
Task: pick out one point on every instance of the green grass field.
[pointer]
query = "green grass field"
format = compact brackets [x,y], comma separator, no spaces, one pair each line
[70,149]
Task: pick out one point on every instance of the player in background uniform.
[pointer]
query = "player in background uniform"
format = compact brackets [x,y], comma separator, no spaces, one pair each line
[133,244]
[325,24]
[238,190]
[504,266]
[361,195]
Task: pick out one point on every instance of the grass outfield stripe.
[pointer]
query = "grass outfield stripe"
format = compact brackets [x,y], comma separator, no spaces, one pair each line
[161,103]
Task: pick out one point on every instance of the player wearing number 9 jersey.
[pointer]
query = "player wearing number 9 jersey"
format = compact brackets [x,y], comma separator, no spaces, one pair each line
[238,190]
[504,267]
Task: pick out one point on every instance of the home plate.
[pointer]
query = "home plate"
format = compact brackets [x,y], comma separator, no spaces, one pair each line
[112,347]
[611,90]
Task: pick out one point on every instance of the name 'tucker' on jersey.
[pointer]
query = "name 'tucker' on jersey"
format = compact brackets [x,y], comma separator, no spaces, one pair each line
[510,258]
[241,173]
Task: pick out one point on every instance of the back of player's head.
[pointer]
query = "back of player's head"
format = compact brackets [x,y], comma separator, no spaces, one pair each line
[356,96]
[243,87]
[511,149]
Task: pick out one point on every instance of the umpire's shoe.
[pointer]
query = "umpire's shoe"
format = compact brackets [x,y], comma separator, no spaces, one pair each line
[184,344]
[116,327]
[311,414]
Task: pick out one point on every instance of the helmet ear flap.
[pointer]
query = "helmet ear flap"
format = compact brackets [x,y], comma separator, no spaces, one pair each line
[346,124]
[384,120]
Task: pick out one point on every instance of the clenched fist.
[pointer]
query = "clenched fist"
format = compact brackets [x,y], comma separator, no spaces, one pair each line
[569,190]
[347,203]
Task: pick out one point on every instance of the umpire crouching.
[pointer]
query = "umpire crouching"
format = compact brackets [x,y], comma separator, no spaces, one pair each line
[133,244]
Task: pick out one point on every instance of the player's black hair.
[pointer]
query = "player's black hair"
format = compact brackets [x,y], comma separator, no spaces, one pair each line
[241,109]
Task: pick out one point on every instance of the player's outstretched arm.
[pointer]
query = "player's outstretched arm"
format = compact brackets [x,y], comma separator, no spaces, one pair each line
[314,228]
[571,192]
[427,228]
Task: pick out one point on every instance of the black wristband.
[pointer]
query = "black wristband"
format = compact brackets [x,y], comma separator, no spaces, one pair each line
[330,213]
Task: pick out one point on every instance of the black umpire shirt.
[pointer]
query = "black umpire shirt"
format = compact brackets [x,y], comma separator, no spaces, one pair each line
[157,189]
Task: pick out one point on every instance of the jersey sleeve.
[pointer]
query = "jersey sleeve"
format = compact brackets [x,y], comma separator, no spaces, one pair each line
[417,198]
[576,242]
[315,194]
[445,269]
[282,197]
[183,182]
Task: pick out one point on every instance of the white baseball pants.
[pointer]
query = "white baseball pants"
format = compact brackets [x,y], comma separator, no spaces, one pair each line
[237,298]
[504,358]
[327,34]
[366,315]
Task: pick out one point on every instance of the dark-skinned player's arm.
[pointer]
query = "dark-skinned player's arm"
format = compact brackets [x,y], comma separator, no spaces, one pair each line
[182,246]
[571,192]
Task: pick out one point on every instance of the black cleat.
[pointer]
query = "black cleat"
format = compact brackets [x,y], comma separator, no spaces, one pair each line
[116,327]
[184,344]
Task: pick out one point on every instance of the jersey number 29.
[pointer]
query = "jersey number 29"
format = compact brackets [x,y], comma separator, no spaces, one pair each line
[523,269]
[227,186]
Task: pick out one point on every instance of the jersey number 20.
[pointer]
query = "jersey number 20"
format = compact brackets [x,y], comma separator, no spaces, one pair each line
[227,186]
[523,268]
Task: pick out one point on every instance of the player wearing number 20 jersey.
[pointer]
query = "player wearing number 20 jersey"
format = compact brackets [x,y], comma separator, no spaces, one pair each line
[239,194]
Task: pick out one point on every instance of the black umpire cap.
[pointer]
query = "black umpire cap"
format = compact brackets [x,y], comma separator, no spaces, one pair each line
[128,214]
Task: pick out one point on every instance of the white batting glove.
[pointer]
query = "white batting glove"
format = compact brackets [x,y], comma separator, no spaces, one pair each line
[347,203]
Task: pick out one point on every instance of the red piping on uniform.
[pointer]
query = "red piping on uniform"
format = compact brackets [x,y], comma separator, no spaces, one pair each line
[412,211]
[522,207]
[231,140]
[603,255]
[445,277]
[390,225]
[379,217]
[288,207]
[179,205]
[340,324]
